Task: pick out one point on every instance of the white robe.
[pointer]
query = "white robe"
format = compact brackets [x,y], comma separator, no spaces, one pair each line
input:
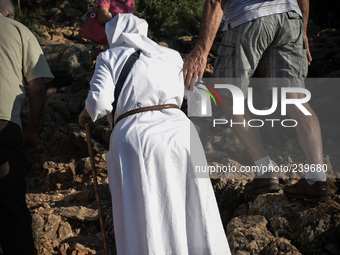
[160,207]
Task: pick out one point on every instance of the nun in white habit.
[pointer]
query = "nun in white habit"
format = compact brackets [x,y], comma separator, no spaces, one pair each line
[160,205]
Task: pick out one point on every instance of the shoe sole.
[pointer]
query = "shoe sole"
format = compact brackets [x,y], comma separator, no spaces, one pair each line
[270,188]
[311,198]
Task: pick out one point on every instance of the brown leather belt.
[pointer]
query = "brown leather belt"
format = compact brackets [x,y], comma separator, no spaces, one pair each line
[146,109]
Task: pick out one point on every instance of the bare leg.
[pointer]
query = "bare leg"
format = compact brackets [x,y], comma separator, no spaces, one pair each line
[309,135]
[249,137]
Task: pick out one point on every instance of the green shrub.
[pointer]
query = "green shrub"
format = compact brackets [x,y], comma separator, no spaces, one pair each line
[31,19]
[167,17]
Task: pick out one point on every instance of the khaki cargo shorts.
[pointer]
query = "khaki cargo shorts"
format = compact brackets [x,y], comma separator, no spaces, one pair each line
[276,39]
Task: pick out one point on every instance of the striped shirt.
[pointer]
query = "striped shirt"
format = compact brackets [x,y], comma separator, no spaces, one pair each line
[237,12]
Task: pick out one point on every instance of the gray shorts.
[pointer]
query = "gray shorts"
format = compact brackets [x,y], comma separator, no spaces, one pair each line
[276,39]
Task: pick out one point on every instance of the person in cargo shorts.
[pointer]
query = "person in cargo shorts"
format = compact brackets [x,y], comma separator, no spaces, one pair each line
[273,30]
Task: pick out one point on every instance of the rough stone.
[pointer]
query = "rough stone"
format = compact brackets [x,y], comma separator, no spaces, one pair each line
[65,231]
[248,234]
[280,247]
[78,212]
[52,225]
[66,61]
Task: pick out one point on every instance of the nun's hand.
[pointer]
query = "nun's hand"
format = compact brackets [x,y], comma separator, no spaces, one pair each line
[84,117]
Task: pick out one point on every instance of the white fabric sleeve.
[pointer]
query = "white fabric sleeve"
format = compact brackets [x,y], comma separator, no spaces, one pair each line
[101,95]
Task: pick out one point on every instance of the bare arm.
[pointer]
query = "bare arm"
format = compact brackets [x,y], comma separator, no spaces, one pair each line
[196,60]
[37,90]
[103,15]
[304,7]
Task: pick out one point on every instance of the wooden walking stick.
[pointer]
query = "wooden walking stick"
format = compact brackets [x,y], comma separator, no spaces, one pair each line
[19,7]
[96,190]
